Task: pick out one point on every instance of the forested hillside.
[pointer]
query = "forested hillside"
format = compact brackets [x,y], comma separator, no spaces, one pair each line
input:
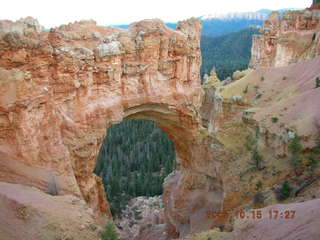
[227,53]
[218,27]
[134,159]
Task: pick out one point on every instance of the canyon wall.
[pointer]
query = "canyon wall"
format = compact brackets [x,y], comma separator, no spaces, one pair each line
[60,90]
[288,38]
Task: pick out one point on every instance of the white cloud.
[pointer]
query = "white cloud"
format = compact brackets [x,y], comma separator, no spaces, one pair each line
[56,12]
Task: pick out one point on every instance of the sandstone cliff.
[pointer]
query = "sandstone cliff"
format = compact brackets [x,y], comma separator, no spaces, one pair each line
[61,90]
[259,115]
[288,38]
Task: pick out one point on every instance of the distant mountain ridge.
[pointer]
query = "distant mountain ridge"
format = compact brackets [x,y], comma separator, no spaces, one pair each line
[215,25]
[237,15]
[261,14]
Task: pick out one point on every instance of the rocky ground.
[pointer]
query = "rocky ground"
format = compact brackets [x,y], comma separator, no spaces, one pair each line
[143,219]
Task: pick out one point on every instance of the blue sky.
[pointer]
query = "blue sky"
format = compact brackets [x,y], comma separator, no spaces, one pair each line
[56,12]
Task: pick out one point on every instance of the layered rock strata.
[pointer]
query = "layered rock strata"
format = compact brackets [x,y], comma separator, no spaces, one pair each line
[288,38]
[61,90]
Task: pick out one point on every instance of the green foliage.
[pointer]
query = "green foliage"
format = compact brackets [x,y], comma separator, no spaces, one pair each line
[313,161]
[134,160]
[314,158]
[226,53]
[258,95]
[256,159]
[314,36]
[274,119]
[262,78]
[257,133]
[295,145]
[250,142]
[110,233]
[259,185]
[258,199]
[317,82]
[246,89]
[284,191]
[295,148]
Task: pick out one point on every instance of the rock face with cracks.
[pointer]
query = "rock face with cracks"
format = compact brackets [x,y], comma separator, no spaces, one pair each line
[61,90]
[288,38]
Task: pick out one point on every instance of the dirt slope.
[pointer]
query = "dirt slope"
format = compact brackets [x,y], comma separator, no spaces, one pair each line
[286,93]
[24,214]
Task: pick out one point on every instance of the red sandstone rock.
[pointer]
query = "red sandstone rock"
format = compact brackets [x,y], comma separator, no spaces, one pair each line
[287,39]
[61,90]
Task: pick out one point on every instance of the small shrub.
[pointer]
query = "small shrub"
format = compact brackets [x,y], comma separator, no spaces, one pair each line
[313,162]
[246,89]
[258,95]
[250,142]
[262,78]
[317,82]
[258,199]
[53,187]
[259,185]
[314,36]
[256,160]
[314,158]
[284,191]
[110,233]
[284,78]
[274,120]
[256,87]
[137,215]
[257,132]
[295,146]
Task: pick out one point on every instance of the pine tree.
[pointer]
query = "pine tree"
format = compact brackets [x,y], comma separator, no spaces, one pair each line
[110,233]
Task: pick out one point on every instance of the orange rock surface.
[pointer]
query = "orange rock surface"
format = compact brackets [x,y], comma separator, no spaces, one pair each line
[61,90]
[288,38]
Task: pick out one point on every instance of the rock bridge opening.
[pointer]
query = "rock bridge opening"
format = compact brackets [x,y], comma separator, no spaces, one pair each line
[134,159]
[191,190]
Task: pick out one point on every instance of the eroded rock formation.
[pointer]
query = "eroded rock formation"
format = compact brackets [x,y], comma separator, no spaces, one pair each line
[61,90]
[288,38]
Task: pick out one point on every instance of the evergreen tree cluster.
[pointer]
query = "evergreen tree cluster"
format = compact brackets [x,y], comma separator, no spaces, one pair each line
[215,27]
[227,53]
[134,159]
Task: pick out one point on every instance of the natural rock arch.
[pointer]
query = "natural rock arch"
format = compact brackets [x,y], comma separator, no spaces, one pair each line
[193,190]
[60,90]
